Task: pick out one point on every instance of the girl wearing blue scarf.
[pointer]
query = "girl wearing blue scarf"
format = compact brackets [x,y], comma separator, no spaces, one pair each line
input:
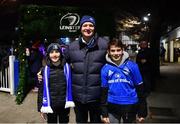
[54,96]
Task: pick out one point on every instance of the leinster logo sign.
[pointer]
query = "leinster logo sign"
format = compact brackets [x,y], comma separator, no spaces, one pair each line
[70,22]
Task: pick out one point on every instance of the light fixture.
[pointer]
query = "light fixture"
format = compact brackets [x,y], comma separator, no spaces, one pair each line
[149,14]
[145,18]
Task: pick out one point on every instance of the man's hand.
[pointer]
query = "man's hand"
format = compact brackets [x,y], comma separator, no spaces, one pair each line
[143,61]
[39,76]
[105,120]
[140,119]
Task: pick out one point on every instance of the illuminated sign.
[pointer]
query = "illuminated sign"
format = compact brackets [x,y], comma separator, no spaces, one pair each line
[70,22]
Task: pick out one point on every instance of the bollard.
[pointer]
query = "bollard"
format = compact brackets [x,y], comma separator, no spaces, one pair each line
[11,73]
[16,75]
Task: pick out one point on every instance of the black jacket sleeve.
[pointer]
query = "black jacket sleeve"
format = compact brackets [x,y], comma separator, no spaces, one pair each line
[142,103]
[140,91]
[104,103]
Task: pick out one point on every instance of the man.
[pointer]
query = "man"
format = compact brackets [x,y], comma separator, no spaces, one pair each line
[144,61]
[162,54]
[122,86]
[86,56]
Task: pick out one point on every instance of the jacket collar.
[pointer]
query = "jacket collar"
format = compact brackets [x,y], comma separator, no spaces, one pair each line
[91,44]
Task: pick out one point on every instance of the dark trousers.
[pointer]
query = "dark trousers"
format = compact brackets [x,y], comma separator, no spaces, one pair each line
[147,82]
[62,116]
[82,111]
[35,82]
[126,112]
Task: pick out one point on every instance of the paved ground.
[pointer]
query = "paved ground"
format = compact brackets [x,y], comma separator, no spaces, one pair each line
[24,113]
[12,113]
[163,103]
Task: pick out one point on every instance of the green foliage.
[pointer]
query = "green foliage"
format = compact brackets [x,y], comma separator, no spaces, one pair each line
[24,82]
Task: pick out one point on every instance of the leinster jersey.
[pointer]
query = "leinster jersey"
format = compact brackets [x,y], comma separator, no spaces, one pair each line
[120,81]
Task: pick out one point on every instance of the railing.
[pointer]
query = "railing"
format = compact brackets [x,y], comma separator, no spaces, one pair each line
[4,80]
[7,76]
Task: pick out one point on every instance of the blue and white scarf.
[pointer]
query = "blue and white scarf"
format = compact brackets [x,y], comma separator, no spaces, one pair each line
[46,107]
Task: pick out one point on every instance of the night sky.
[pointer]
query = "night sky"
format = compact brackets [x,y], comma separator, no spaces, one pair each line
[164,12]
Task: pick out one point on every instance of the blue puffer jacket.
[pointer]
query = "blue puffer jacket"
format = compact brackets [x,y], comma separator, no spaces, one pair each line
[86,63]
